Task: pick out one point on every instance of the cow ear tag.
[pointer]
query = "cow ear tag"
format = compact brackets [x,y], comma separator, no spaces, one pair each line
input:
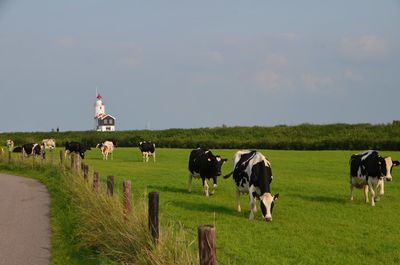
[209,159]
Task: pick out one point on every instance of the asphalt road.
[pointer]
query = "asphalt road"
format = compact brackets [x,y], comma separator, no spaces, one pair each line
[24,222]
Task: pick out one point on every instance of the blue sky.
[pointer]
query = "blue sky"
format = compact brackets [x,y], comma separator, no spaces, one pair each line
[185,64]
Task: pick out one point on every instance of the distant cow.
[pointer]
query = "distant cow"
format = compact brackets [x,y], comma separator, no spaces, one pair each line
[106,148]
[368,170]
[147,149]
[31,149]
[49,143]
[203,164]
[252,174]
[10,145]
[75,147]
[17,149]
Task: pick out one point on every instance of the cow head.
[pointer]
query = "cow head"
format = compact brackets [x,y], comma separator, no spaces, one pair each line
[387,165]
[83,150]
[215,163]
[267,202]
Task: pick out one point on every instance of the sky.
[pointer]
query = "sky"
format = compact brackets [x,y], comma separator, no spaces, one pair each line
[189,64]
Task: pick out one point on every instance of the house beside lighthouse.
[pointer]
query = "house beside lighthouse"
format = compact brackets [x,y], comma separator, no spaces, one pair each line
[103,122]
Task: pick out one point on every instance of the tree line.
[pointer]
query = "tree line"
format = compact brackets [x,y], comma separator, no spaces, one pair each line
[282,137]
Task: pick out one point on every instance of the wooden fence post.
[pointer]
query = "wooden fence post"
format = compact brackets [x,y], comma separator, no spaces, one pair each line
[72,155]
[9,156]
[51,156]
[85,172]
[127,187]
[153,215]
[96,181]
[61,157]
[207,245]
[78,162]
[110,185]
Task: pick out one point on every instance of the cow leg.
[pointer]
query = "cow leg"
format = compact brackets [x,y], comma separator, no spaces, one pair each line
[381,185]
[205,187]
[252,206]
[190,182]
[238,200]
[366,193]
[214,186]
[371,189]
[351,191]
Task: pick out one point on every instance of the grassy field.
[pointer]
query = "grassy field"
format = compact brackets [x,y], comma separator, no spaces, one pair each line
[313,220]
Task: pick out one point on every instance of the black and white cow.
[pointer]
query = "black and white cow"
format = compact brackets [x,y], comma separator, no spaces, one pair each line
[17,149]
[253,175]
[147,149]
[75,147]
[203,164]
[368,170]
[31,149]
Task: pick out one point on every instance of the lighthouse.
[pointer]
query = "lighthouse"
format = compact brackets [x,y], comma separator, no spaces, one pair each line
[103,121]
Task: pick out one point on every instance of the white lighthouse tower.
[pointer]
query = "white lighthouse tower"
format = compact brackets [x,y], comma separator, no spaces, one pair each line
[103,121]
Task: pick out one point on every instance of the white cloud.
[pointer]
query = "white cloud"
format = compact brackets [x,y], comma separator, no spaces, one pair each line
[269,81]
[276,60]
[352,75]
[317,84]
[67,41]
[364,47]
[289,36]
[215,56]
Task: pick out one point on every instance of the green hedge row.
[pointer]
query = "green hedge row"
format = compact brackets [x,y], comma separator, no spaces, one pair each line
[299,137]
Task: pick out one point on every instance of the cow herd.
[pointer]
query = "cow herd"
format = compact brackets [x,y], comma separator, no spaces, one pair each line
[251,170]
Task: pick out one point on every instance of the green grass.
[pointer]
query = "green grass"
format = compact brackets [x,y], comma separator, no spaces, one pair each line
[313,221]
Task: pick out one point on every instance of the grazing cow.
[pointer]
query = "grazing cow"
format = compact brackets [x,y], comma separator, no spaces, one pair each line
[75,147]
[17,149]
[147,149]
[49,144]
[31,149]
[203,164]
[10,145]
[253,175]
[106,148]
[368,170]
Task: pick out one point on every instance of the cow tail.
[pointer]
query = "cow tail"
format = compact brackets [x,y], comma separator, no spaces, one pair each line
[227,176]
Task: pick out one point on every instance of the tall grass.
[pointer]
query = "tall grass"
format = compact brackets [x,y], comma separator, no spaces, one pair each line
[124,237]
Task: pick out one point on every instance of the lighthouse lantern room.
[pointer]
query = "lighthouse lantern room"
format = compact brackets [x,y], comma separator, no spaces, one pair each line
[103,121]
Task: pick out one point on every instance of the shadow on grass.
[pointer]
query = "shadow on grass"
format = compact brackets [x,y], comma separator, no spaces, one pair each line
[167,189]
[320,198]
[205,207]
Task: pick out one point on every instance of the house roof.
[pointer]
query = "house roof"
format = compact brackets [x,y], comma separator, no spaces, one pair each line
[103,116]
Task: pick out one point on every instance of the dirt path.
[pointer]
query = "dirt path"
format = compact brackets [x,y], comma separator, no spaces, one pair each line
[24,221]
